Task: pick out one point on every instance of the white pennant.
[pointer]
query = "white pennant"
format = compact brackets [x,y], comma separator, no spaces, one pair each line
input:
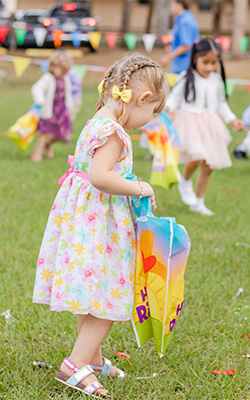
[40,35]
[149,41]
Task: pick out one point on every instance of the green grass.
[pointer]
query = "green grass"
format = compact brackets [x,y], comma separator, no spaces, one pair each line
[209,335]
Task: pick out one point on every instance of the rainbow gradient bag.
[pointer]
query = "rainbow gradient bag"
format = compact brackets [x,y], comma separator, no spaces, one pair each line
[162,250]
[23,131]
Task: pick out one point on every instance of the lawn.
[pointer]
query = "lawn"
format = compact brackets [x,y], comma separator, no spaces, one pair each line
[213,331]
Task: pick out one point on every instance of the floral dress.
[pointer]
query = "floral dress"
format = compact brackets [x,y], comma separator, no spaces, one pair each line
[87,258]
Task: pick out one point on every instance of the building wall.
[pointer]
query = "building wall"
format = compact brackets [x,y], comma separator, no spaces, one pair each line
[110,13]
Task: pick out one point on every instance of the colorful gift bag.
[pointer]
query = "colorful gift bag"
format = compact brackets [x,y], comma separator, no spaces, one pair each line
[161,257]
[23,131]
[164,144]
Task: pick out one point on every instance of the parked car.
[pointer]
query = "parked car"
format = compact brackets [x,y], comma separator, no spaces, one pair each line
[71,17]
[29,20]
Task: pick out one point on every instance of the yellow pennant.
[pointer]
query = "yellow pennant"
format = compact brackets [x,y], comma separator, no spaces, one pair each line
[171,78]
[20,65]
[95,38]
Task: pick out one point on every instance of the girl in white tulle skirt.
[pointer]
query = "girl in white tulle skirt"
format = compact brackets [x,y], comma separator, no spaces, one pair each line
[200,103]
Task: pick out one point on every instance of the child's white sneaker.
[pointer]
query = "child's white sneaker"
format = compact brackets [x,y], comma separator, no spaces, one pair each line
[200,208]
[186,191]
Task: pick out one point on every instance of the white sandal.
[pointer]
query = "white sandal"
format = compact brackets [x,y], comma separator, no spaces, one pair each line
[77,377]
[105,370]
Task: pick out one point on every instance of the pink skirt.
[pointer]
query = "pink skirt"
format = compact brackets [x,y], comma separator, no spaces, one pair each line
[203,137]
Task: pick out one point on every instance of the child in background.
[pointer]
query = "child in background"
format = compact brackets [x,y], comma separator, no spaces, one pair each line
[76,91]
[53,92]
[243,150]
[199,101]
[87,259]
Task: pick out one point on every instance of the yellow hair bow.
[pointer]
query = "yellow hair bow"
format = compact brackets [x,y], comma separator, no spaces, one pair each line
[125,95]
[100,87]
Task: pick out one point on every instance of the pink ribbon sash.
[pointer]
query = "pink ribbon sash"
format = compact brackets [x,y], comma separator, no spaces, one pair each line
[71,162]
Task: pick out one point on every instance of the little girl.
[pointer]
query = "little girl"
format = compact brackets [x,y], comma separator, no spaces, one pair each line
[199,96]
[86,263]
[53,92]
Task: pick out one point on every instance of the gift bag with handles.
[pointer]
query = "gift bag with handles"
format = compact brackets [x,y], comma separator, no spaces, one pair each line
[164,144]
[161,257]
[23,131]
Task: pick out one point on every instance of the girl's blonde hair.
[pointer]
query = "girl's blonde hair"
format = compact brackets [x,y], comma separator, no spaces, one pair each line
[60,59]
[130,72]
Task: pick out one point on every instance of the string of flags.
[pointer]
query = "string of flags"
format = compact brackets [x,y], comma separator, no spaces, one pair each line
[22,63]
[111,38]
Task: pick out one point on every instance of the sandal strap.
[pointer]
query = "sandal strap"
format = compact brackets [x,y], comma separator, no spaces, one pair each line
[106,367]
[90,389]
[70,365]
[80,375]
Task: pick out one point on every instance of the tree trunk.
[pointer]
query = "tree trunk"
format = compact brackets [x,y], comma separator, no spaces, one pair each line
[217,11]
[240,12]
[150,13]
[162,16]
[126,15]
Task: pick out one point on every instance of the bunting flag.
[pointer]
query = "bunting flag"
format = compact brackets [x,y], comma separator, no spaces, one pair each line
[225,42]
[131,40]
[111,39]
[80,70]
[243,43]
[149,41]
[40,35]
[3,33]
[57,37]
[76,38]
[20,35]
[171,78]
[20,65]
[248,87]
[95,38]
[230,87]
[44,66]
[166,40]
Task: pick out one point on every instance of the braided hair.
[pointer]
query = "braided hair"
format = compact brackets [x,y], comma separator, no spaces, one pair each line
[129,72]
[200,49]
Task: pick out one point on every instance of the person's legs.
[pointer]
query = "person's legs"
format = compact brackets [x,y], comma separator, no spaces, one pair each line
[185,185]
[203,179]
[92,331]
[201,188]
[39,149]
[47,149]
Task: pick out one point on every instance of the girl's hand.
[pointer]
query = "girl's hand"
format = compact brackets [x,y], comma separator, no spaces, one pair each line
[149,192]
[237,124]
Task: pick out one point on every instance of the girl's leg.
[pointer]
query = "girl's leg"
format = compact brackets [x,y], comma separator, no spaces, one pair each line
[47,150]
[92,332]
[185,185]
[203,180]
[40,145]
[190,169]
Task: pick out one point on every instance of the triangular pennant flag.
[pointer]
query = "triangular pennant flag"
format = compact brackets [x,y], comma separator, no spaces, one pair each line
[57,37]
[130,39]
[225,42]
[149,41]
[80,70]
[243,43]
[111,39]
[3,33]
[171,78]
[95,38]
[44,66]
[40,35]
[20,65]
[20,35]
[76,38]
[230,87]
[248,86]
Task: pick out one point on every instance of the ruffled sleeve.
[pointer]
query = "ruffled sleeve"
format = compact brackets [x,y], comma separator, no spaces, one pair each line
[101,134]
